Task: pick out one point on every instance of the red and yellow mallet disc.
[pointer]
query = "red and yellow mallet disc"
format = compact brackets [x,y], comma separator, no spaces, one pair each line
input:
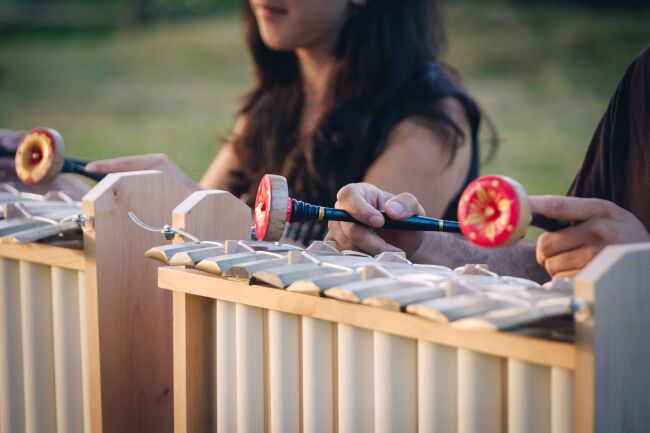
[40,156]
[494,212]
[272,208]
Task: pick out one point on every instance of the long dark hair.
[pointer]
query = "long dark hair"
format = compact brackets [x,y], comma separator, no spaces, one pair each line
[386,69]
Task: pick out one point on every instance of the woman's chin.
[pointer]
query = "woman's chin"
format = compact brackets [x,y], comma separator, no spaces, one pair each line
[278,43]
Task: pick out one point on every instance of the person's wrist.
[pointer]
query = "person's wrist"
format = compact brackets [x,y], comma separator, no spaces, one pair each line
[422,253]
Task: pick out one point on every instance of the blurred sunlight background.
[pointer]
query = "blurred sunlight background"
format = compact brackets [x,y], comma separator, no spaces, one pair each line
[120,77]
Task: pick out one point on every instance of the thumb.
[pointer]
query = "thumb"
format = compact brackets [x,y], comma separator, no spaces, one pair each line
[403,206]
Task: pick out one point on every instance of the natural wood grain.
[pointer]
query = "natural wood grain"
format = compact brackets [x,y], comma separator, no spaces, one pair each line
[611,381]
[12,395]
[437,393]
[130,320]
[208,215]
[180,361]
[68,361]
[45,255]
[194,350]
[38,347]
[277,207]
[213,215]
[528,349]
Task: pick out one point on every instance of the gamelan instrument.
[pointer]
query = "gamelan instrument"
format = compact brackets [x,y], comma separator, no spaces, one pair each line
[40,157]
[85,332]
[493,212]
[272,337]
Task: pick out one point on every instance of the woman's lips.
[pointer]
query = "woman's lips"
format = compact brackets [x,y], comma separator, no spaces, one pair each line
[269,12]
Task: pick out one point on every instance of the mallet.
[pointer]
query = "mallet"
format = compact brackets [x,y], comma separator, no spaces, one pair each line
[493,212]
[40,157]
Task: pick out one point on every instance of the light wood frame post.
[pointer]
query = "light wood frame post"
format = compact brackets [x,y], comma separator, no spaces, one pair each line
[130,319]
[209,215]
[613,345]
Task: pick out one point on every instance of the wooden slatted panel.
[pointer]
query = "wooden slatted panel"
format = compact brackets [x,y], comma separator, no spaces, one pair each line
[529,397]
[437,388]
[250,369]
[226,376]
[85,367]
[38,350]
[355,380]
[11,353]
[499,344]
[67,351]
[561,400]
[284,370]
[479,393]
[317,378]
[395,384]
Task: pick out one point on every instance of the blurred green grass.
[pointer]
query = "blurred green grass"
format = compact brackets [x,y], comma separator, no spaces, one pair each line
[544,73]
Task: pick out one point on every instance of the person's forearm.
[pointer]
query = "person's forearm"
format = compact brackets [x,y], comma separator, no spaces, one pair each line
[453,251]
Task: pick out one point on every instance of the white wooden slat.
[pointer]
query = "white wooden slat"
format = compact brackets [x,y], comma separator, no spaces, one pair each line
[226,377]
[12,417]
[83,336]
[395,383]
[437,388]
[355,380]
[250,369]
[562,395]
[284,371]
[479,393]
[38,350]
[317,382]
[529,399]
[67,351]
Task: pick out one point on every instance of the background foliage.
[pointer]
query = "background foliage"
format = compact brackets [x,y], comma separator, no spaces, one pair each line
[543,71]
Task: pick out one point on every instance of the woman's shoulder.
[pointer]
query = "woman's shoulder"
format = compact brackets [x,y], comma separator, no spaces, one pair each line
[435,87]
[436,77]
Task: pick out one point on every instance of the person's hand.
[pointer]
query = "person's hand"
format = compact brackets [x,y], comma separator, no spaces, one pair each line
[10,139]
[362,201]
[154,161]
[597,223]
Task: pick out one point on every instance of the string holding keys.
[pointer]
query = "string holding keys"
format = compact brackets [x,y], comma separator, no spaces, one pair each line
[493,212]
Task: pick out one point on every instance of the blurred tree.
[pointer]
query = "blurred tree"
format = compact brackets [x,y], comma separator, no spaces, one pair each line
[101,13]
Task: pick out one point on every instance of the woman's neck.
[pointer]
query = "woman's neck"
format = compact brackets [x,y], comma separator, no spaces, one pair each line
[316,66]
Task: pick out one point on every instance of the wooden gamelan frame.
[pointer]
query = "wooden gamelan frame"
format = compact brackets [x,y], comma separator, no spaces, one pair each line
[86,342]
[608,366]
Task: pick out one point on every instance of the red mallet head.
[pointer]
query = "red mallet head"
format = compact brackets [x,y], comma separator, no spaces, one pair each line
[40,156]
[494,212]
[272,208]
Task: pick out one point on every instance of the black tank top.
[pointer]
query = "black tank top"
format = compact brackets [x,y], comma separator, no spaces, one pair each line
[445,87]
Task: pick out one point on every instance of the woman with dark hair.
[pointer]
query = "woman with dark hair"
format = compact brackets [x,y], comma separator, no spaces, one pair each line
[346,91]
[607,204]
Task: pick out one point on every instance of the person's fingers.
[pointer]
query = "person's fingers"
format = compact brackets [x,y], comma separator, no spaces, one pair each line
[403,206]
[569,261]
[569,208]
[567,274]
[365,239]
[125,163]
[552,243]
[358,199]
[10,139]
[335,234]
